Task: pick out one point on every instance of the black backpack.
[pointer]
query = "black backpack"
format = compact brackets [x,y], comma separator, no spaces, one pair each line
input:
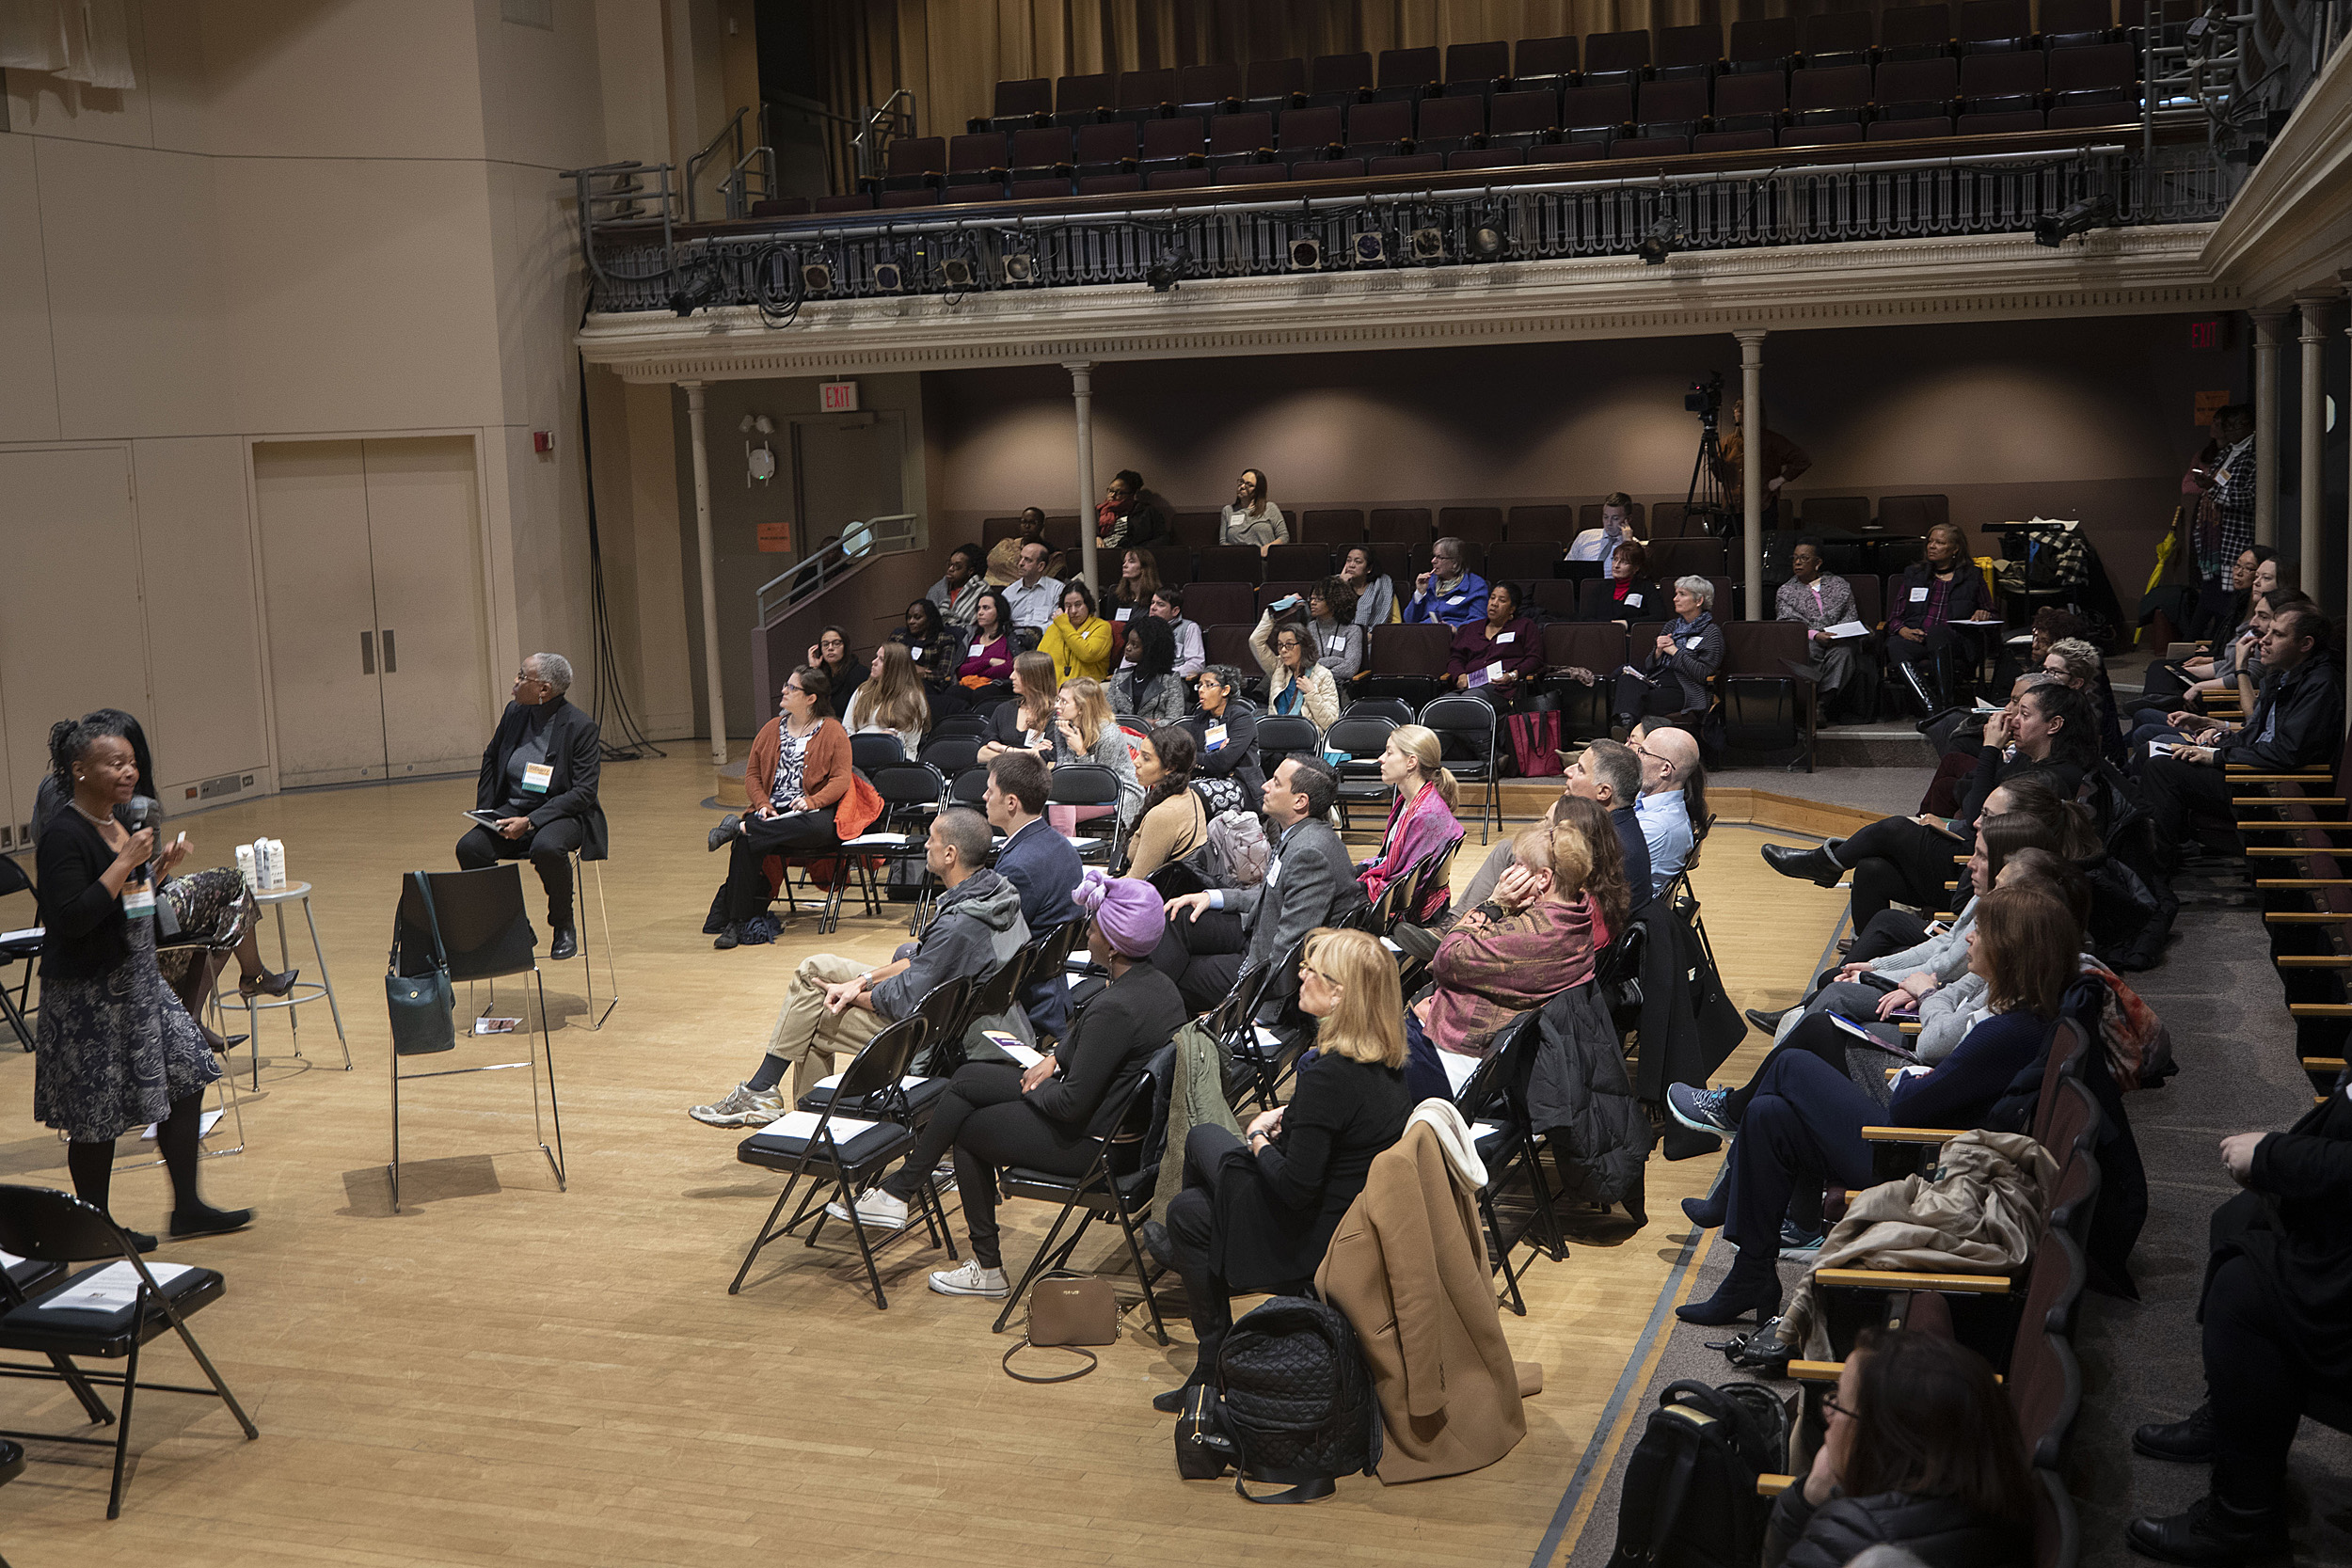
[1296,1400]
[1688,1500]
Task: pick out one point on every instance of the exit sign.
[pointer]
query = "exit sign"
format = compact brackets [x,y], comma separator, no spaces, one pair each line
[837,397]
[2211,333]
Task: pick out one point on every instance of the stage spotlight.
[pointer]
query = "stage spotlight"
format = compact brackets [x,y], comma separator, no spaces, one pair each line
[1665,238]
[1371,249]
[1020,268]
[889,277]
[817,279]
[1162,275]
[2092,212]
[696,293]
[958,272]
[1306,256]
[1428,245]
[1488,243]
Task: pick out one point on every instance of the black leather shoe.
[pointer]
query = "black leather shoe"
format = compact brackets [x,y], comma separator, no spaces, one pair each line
[1704,1212]
[1813,865]
[2183,1441]
[724,831]
[1153,1235]
[1735,1298]
[1636,1200]
[566,944]
[730,935]
[208,1221]
[141,1240]
[2210,1534]
[1767,1021]
[1170,1402]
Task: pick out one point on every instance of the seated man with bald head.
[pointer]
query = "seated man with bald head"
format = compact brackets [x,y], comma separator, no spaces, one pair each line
[1673,803]
[537,793]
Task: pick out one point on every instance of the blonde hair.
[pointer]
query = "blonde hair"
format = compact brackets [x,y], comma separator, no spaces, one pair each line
[1428,754]
[1368,1025]
[1039,682]
[1094,708]
[1559,849]
[894,698]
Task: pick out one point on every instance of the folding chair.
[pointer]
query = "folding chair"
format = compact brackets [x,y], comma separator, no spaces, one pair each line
[1089,783]
[1505,1141]
[476,927]
[18,946]
[1466,726]
[1283,735]
[912,793]
[941,1006]
[1260,1058]
[991,995]
[1105,1189]
[49,1226]
[824,1145]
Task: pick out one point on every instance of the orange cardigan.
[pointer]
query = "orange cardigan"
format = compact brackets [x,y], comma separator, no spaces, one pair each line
[825,772]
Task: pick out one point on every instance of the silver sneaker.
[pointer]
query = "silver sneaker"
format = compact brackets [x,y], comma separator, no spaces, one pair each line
[876,1210]
[745,1107]
[970,1280]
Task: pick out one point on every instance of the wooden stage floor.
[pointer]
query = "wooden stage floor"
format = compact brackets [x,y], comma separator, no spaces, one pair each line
[504,1374]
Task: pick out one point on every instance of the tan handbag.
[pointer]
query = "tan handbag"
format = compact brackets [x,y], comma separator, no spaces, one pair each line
[1067,1311]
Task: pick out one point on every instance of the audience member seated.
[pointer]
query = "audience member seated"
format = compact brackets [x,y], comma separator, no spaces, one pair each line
[797,773]
[1251,517]
[1147,685]
[1617,527]
[1052,1115]
[1963,738]
[1331,619]
[892,702]
[1225,731]
[1673,802]
[2277,1310]
[1168,604]
[1633,593]
[2180,723]
[835,1005]
[1818,600]
[1086,730]
[1044,866]
[987,657]
[1675,676]
[1536,936]
[958,593]
[1128,514]
[1803,1121]
[1003,562]
[1077,639]
[1295,683]
[1421,826]
[2169,681]
[843,675]
[2296,722]
[1213,937]
[1501,655]
[1608,773]
[1026,722]
[1376,595]
[1035,595]
[1174,821]
[2074,662]
[1907,860]
[1921,647]
[937,650]
[1256,1213]
[1448,592]
[1131,596]
[1921,1455]
[539,775]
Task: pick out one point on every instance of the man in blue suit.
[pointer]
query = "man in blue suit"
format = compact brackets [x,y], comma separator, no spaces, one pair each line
[1042,864]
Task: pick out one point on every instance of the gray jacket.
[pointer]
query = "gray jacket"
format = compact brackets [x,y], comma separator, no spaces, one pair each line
[1309,882]
[975,927]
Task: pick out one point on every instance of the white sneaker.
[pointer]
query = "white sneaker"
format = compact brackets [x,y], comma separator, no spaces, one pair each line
[876,1209]
[970,1280]
[745,1107]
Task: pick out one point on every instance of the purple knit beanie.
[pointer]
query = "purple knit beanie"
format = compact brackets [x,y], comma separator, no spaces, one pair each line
[1128,909]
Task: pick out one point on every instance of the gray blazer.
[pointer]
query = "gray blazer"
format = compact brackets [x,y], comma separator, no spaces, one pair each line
[1310,883]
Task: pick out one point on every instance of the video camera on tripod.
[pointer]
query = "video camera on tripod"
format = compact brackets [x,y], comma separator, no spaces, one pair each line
[1705,398]
[1703,507]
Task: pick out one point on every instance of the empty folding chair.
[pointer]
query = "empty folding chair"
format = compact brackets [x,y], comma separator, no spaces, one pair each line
[1523,118]
[977,160]
[1208,89]
[1407,74]
[1765,44]
[1270,86]
[1476,69]
[1766,706]
[1839,39]
[1079,99]
[1023,104]
[1616,56]
[1362,735]
[1338,79]
[1449,124]
[1465,728]
[1243,139]
[1670,109]
[1376,130]
[1410,162]
[1695,51]
[2002,84]
[913,163]
[1283,735]
[1598,646]
[1828,96]
[1916,89]
[1914,32]
[1547,63]
[1145,95]
[1996,27]
[1180,142]
[1596,114]
[1307,134]
[1044,154]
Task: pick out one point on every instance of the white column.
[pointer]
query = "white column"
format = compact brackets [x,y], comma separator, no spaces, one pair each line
[1752,467]
[2269,332]
[1082,393]
[2314,340]
[709,552]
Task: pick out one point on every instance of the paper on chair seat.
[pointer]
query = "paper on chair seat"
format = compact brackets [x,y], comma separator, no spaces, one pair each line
[834,1083]
[113,1288]
[802,1124]
[8,1260]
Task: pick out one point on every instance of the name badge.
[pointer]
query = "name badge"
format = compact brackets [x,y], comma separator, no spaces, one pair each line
[1633,599]
[1506,637]
[1692,643]
[1216,736]
[1919,595]
[138,900]
[1122,615]
[1339,644]
[536,777]
[919,653]
[1274,874]
[1454,601]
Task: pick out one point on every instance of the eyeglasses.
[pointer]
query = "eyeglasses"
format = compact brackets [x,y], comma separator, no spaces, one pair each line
[1831,1407]
[1310,969]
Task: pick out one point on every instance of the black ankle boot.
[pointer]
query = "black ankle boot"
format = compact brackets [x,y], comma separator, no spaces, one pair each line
[2210,1534]
[205,1220]
[1748,1287]
[2183,1441]
[1816,864]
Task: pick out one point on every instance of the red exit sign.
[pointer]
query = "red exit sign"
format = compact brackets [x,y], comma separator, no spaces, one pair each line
[2211,333]
[837,397]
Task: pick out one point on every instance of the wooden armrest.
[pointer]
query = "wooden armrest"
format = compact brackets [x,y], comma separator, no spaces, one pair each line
[1909,1134]
[2288,827]
[1772,1486]
[2232,773]
[1908,1027]
[2287,801]
[2319,1009]
[2303,881]
[2323,1064]
[1816,1372]
[1902,1279]
[2313,960]
[2299,917]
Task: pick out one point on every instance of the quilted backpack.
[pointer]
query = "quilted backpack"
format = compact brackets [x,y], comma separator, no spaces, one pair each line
[1296,1400]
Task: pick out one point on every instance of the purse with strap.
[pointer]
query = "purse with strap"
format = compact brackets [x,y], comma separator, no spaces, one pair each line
[422,1006]
[1067,1311]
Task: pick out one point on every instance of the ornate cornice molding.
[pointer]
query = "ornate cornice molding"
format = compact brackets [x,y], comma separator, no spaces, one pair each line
[2291,226]
[1988,278]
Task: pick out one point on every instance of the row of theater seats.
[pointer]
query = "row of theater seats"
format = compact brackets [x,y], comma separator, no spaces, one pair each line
[2301,863]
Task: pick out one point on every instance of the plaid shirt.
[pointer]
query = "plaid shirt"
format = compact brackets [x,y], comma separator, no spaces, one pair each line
[2234,502]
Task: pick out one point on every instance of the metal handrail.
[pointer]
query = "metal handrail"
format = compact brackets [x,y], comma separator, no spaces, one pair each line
[732,130]
[866,146]
[860,542]
[626,191]
[735,189]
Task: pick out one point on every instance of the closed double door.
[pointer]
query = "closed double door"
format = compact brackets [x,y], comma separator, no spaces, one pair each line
[370,559]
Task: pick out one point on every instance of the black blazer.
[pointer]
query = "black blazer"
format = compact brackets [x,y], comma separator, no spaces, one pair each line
[1968,595]
[574,752]
[1108,1045]
[85,931]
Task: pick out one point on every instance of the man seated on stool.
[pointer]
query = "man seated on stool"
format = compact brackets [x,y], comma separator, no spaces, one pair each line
[539,774]
[1043,867]
[1309,882]
[837,1005]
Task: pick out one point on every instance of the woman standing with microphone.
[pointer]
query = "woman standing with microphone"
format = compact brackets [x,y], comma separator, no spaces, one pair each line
[116,1048]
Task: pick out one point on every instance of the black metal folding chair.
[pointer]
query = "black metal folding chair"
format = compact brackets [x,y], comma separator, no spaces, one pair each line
[912,794]
[939,1009]
[1506,1143]
[1089,784]
[48,1227]
[23,946]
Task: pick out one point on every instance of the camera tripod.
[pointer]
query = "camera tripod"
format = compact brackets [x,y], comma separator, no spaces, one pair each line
[1704,499]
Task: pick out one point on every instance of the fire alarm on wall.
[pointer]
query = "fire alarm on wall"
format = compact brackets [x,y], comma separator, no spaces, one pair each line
[543,441]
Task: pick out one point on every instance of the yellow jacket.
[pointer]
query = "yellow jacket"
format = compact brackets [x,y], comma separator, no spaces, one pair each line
[1078,650]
